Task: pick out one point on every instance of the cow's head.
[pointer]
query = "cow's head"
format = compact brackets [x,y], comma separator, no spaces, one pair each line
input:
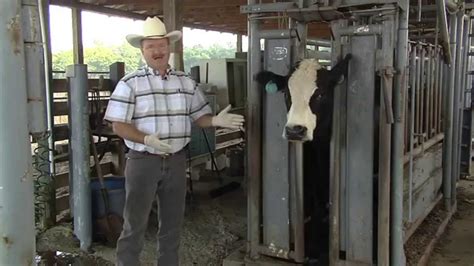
[308,89]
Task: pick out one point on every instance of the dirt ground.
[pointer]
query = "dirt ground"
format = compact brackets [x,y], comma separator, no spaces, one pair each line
[456,246]
[213,228]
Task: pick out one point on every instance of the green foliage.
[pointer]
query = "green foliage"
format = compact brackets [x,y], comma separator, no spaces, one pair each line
[100,57]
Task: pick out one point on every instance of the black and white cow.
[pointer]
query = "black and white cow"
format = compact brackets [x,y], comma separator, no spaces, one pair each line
[309,92]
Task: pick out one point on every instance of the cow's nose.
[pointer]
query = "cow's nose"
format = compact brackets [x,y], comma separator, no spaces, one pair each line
[296,132]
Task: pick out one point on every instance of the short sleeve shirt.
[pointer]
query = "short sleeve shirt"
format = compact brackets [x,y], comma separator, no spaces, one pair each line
[158,104]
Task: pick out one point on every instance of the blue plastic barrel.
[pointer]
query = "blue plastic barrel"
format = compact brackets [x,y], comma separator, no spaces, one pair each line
[116,192]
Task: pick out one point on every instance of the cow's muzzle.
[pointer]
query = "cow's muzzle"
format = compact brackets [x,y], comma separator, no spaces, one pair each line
[296,132]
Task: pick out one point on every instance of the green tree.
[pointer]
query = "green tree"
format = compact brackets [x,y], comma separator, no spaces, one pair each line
[100,57]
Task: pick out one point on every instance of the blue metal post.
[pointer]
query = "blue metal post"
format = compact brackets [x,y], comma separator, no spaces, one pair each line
[79,143]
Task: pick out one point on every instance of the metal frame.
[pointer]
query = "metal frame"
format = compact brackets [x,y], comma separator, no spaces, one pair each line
[413,129]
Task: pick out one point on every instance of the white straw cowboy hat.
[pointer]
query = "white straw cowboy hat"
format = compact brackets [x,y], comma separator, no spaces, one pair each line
[153,28]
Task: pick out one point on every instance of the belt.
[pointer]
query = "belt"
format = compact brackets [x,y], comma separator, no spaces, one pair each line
[163,156]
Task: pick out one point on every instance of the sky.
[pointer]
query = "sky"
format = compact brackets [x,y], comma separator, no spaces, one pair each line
[98,28]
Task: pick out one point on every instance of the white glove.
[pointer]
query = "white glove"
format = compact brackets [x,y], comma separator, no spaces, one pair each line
[154,141]
[224,119]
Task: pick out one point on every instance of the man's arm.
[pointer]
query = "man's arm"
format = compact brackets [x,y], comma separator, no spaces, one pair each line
[128,132]
[204,121]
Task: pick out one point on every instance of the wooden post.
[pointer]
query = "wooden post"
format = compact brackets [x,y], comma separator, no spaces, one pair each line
[173,19]
[239,43]
[77,36]
[117,71]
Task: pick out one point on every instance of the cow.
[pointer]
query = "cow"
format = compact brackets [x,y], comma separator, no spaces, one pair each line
[309,94]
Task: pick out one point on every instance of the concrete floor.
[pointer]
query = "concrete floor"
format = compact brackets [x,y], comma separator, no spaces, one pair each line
[456,245]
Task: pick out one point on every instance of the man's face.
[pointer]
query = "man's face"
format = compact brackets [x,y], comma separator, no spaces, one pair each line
[156,53]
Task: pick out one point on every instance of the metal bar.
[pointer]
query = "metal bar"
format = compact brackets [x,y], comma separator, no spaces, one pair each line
[466,111]
[360,144]
[437,77]
[45,37]
[385,128]
[17,230]
[429,93]
[418,150]
[298,188]
[449,4]
[396,251]
[435,91]
[79,147]
[277,34]
[457,123]
[254,150]
[336,156]
[419,83]
[448,118]
[319,42]
[45,195]
[421,132]
[443,27]
[412,133]
[361,30]
[441,76]
[266,7]
[300,44]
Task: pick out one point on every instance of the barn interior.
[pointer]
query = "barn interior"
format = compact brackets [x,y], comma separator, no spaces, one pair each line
[402,137]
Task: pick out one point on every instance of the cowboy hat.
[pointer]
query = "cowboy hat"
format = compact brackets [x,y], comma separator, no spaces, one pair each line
[153,28]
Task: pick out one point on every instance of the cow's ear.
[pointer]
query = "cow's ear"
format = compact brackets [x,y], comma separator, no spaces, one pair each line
[272,79]
[339,71]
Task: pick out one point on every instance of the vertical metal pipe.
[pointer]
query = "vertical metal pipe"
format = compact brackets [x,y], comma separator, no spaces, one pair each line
[336,157]
[457,105]
[254,131]
[298,188]
[45,37]
[448,118]
[443,27]
[17,229]
[429,96]
[79,143]
[437,75]
[422,95]
[397,253]
[385,135]
[419,84]
[441,79]
[45,194]
[413,83]
[300,46]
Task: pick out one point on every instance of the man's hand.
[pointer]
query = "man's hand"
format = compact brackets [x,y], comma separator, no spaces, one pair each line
[224,119]
[154,141]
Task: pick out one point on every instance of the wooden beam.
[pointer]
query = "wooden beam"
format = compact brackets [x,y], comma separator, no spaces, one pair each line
[173,19]
[98,9]
[78,50]
[60,85]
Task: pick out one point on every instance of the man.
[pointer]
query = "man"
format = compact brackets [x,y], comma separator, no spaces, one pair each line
[152,109]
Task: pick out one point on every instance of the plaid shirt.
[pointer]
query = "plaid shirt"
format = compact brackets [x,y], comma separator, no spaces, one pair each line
[155,104]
